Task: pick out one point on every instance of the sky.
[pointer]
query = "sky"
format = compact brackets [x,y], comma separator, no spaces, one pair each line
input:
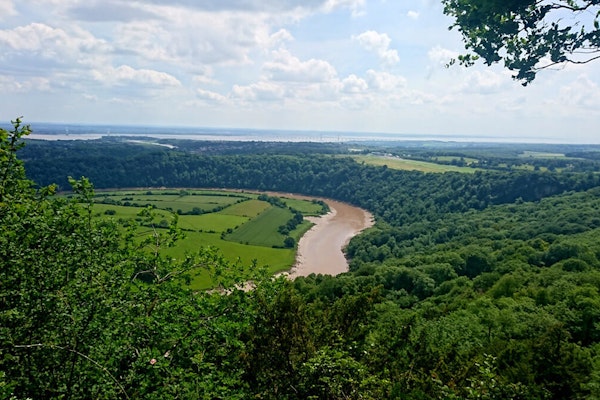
[325,65]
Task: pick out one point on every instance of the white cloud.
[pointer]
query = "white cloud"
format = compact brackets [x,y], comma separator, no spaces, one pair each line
[484,82]
[292,8]
[319,93]
[512,105]
[109,10]
[90,97]
[380,44]
[286,67]
[357,6]
[279,38]
[260,91]
[581,93]
[441,56]
[124,75]
[413,15]
[205,79]
[7,9]
[420,98]
[354,84]
[40,49]
[317,82]
[146,39]
[54,43]
[11,84]
[32,37]
[187,37]
[211,97]
[255,6]
[355,103]
[384,81]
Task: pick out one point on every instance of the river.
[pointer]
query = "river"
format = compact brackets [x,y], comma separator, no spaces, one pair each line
[320,250]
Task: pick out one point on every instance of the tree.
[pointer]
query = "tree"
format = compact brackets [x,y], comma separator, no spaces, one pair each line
[527,35]
[77,319]
[289,242]
[12,173]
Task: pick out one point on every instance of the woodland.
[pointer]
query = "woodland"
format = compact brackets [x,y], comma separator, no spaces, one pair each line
[479,285]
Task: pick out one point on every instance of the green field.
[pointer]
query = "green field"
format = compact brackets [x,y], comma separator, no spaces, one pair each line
[213,222]
[262,230]
[305,207]
[243,228]
[410,165]
[249,208]
[236,253]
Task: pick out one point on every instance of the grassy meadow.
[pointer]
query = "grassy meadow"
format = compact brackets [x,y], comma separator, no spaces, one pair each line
[410,165]
[243,227]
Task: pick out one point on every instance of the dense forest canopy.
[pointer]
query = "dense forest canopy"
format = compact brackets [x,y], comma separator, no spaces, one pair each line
[470,286]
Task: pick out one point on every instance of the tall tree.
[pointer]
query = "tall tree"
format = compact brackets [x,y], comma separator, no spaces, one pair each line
[527,35]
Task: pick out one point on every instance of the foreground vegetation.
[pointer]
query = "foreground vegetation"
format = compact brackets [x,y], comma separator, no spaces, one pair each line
[471,286]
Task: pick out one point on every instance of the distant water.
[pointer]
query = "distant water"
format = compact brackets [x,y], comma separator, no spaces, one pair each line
[59,131]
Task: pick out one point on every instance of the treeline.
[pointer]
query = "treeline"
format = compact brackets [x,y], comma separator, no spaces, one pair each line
[398,197]
[253,147]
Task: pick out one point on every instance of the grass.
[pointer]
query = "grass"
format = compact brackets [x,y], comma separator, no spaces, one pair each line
[301,230]
[410,165]
[262,230]
[213,222]
[304,206]
[275,260]
[254,223]
[184,203]
[249,208]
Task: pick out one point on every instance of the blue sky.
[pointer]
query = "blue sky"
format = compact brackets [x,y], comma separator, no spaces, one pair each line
[340,65]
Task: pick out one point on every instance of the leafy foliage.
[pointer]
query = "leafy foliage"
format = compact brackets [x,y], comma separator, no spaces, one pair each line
[86,313]
[527,35]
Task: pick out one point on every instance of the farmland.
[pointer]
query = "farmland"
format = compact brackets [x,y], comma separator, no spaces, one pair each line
[409,165]
[245,227]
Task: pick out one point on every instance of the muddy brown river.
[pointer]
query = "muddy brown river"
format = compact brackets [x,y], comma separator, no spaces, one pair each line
[320,250]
